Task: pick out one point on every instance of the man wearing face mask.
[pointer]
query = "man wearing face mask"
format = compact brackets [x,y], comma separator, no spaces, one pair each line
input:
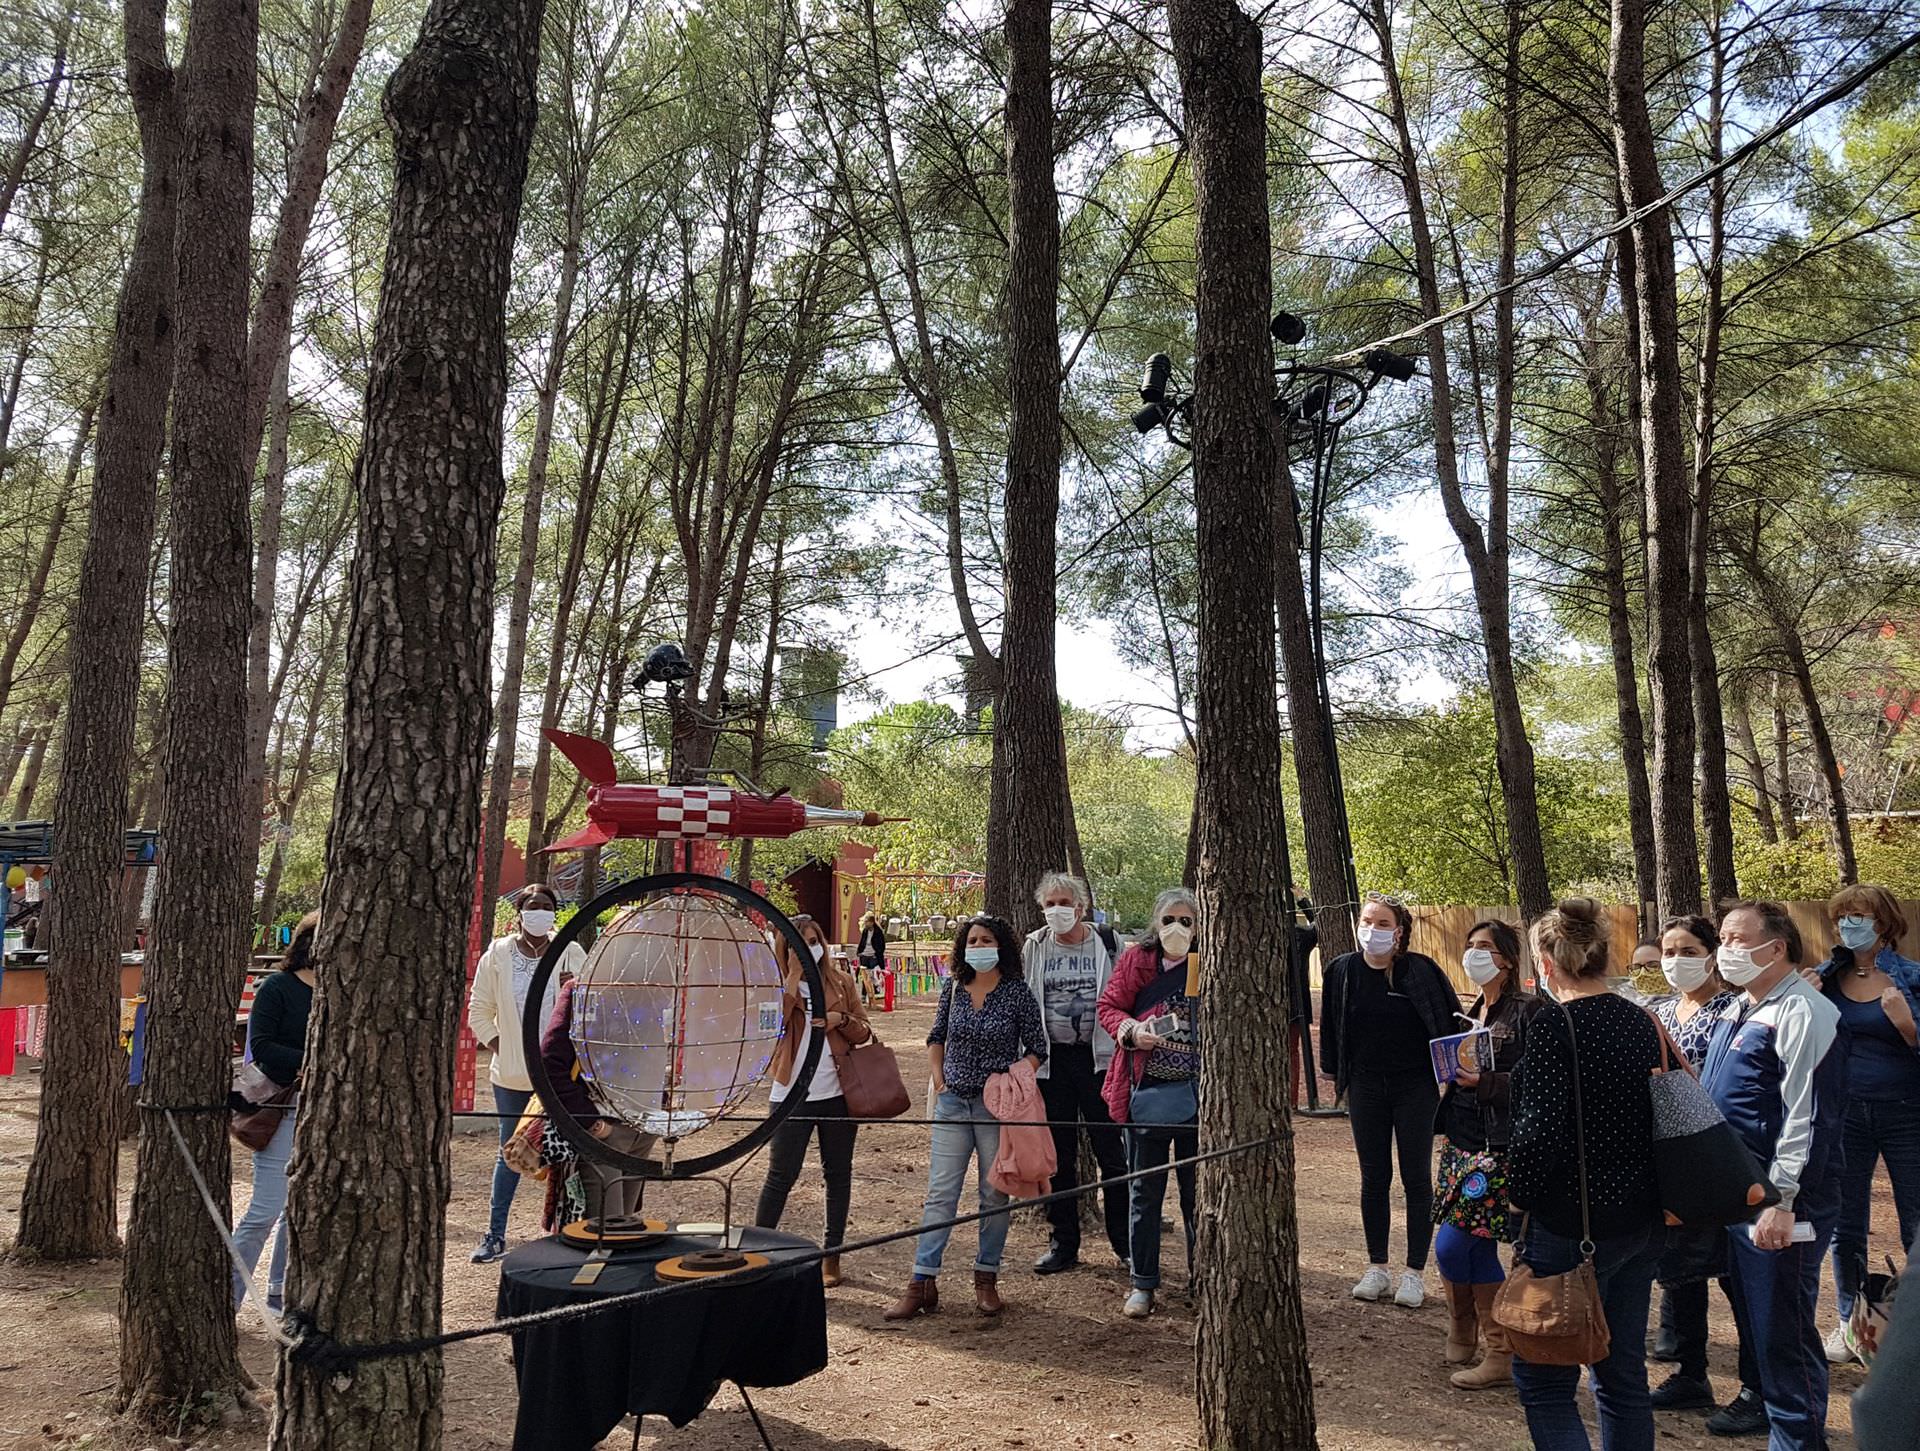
[1067,963]
[1776,1066]
[494,1013]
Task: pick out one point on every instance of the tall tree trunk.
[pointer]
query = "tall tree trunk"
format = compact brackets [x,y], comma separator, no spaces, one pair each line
[1669,499]
[23,350]
[49,549]
[1756,766]
[1710,728]
[366,1263]
[36,758]
[177,1355]
[1255,1387]
[323,676]
[1486,551]
[1782,767]
[266,575]
[1029,805]
[30,137]
[69,1208]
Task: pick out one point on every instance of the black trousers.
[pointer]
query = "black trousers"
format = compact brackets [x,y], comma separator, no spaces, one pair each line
[787,1155]
[1071,1092]
[1384,1111]
[1686,1307]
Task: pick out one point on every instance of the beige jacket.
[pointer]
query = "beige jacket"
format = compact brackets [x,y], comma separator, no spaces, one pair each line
[491,1011]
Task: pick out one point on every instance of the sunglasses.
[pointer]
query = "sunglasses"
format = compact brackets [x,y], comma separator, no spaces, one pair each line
[1390,900]
[1168,921]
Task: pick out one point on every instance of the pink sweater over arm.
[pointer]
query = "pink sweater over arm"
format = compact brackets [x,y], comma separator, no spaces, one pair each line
[1024,1166]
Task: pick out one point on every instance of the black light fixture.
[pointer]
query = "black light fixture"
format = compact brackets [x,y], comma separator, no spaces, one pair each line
[1386,363]
[666,664]
[1289,329]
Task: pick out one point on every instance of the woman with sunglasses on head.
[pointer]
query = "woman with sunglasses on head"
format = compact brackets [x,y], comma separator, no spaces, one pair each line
[987,1020]
[1154,1025]
[1475,1124]
[1380,1007]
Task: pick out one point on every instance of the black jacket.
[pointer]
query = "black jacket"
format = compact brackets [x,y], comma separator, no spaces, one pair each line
[1493,1095]
[277,1025]
[873,944]
[1415,974]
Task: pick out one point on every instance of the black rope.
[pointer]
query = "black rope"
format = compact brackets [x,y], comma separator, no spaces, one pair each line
[316,1349]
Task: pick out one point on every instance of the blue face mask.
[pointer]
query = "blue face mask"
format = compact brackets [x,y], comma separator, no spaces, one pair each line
[983,959]
[1858,933]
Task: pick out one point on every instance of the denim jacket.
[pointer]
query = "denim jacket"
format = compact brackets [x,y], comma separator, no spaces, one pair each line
[1904,971]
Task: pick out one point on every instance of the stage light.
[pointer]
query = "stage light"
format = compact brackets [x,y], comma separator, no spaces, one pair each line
[1385,363]
[665,665]
[1153,387]
[1151,417]
[1289,329]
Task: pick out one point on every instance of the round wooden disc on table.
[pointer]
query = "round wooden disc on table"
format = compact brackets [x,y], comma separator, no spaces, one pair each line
[708,1263]
[616,1234]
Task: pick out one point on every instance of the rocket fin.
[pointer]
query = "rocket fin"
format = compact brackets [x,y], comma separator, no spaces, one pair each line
[592,759]
[593,833]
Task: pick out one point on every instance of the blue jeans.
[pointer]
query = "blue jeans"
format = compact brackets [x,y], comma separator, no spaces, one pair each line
[956,1145]
[266,1213]
[1873,1131]
[510,1103]
[1625,1265]
[1775,1294]
[1144,1151]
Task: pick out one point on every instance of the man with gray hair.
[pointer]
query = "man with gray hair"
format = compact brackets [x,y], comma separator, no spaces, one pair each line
[1068,962]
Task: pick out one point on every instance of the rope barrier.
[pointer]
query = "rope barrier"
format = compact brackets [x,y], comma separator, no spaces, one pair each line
[267,1318]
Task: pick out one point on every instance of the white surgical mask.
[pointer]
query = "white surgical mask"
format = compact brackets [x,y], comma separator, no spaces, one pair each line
[982,959]
[1060,920]
[1737,965]
[1379,941]
[537,922]
[1858,933]
[819,951]
[1175,938]
[1480,966]
[1686,973]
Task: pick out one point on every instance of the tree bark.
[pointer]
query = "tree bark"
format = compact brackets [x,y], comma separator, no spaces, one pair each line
[23,350]
[177,1348]
[30,138]
[323,676]
[1029,807]
[1255,1387]
[1669,500]
[1756,766]
[69,1208]
[266,575]
[1782,773]
[49,549]
[36,759]
[367,1213]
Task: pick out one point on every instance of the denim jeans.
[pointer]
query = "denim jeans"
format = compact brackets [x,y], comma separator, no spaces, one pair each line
[1625,1265]
[1873,1131]
[1776,1293]
[1144,1151]
[509,1103]
[266,1213]
[956,1145]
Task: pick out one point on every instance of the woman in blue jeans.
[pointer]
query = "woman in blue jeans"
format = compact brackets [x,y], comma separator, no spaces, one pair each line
[987,1019]
[1878,994]
[1588,1177]
[277,1044]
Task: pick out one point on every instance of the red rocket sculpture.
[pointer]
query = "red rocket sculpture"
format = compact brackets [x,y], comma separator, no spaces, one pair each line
[673,813]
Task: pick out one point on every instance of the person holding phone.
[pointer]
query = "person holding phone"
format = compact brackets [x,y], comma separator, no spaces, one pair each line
[1153,1085]
[1380,1007]
[1777,1068]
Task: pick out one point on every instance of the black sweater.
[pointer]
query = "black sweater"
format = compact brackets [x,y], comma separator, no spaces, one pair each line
[1619,1047]
[1415,975]
[277,1026]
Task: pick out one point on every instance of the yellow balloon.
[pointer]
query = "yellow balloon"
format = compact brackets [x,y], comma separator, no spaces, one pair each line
[16,877]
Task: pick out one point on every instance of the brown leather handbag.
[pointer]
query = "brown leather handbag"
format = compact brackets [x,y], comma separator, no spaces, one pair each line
[1558,1319]
[869,1078]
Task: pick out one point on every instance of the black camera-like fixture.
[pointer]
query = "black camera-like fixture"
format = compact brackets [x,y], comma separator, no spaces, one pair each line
[1386,363]
[1289,328]
[666,664]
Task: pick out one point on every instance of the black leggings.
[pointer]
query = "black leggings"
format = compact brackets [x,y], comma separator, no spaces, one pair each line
[787,1155]
[1384,1110]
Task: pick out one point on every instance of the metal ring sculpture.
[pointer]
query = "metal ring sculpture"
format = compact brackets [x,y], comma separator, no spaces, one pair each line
[639,889]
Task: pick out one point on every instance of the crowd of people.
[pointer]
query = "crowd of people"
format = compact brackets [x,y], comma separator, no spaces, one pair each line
[1546,1145]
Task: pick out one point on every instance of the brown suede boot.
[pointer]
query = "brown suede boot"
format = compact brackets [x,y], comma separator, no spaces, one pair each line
[830,1271]
[1496,1369]
[986,1293]
[1463,1323]
[922,1297]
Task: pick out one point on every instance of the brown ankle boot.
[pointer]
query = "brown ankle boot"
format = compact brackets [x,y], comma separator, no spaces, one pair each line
[922,1297]
[986,1293]
[830,1271]
[1496,1369]
[1463,1323]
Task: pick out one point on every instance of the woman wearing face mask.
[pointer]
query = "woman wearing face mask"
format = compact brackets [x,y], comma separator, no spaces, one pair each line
[1694,1256]
[987,1019]
[494,1012]
[1380,1007]
[845,1024]
[1878,994]
[1475,1123]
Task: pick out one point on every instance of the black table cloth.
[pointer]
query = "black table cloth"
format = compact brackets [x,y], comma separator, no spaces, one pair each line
[661,1357]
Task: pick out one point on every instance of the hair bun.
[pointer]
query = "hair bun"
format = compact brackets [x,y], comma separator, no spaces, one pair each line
[1580,918]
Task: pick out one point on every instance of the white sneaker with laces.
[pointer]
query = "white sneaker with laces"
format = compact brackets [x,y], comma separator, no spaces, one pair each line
[1139,1305]
[1373,1284]
[1412,1293]
[1840,1346]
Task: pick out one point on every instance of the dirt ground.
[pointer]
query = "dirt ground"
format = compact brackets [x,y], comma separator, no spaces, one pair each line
[1060,1369]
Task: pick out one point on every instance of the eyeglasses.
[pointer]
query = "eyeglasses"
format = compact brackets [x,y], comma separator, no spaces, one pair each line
[1168,921]
[1385,897]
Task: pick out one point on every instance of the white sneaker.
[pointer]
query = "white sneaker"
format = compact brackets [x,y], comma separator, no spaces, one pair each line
[1412,1293]
[1841,1347]
[1373,1284]
[1139,1305]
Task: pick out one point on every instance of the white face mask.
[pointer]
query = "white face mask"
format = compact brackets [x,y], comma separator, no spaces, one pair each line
[819,951]
[537,922]
[1686,974]
[1737,965]
[1175,938]
[1379,941]
[1480,966]
[1060,920]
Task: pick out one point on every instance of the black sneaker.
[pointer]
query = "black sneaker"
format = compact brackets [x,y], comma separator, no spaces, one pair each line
[1744,1415]
[489,1250]
[1055,1260]
[1684,1393]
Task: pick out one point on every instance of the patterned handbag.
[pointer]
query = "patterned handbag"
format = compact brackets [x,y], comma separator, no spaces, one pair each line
[1706,1174]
